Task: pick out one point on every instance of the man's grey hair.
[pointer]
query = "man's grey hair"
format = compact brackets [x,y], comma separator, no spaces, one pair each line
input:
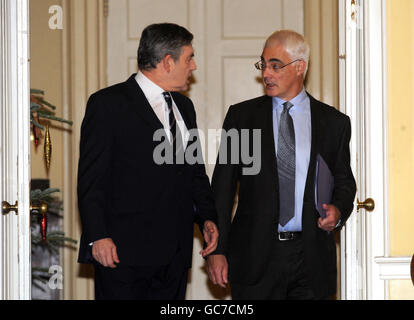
[294,43]
[159,40]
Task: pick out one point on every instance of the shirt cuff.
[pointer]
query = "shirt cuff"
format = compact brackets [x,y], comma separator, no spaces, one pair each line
[337,225]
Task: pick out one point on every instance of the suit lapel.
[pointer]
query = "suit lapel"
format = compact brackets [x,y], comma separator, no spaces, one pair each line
[141,104]
[179,102]
[316,123]
[269,162]
[316,118]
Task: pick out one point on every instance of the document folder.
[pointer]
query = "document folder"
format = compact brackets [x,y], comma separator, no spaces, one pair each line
[324,184]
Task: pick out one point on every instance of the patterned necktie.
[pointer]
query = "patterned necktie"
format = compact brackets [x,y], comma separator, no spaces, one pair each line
[174,129]
[286,164]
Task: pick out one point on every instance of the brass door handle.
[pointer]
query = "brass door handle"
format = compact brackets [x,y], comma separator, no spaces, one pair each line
[42,208]
[368,204]
[6,208]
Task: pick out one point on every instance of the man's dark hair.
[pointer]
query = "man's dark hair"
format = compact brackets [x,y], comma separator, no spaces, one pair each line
[159,40]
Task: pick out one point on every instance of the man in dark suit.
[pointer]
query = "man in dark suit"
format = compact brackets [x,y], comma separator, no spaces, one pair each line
[277,246]
[137,212]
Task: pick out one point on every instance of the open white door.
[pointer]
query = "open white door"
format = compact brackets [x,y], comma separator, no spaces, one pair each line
[363,98]
[15,267]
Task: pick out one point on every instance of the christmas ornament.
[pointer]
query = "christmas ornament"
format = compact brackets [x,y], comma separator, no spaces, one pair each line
[43,226]
[48,148]
[36,131]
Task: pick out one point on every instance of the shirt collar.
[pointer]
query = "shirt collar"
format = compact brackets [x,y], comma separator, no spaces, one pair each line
[151,90]
[296,101]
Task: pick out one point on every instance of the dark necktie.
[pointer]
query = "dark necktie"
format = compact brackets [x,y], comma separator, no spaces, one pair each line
[174,128]
[286,164]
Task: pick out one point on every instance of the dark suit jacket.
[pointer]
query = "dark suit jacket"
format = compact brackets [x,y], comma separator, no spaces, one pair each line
[246,241]
[147,209]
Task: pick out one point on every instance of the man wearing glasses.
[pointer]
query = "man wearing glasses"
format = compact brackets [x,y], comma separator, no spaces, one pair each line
[277,246]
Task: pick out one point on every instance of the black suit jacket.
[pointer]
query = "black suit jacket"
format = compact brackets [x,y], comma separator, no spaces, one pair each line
[147,209]
[246,241]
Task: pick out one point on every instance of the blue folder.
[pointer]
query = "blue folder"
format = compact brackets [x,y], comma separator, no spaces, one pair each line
[324,185]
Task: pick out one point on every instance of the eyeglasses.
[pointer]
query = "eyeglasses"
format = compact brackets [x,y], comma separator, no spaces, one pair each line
[276,67]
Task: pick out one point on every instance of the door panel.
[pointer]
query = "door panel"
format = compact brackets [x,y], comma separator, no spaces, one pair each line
[15,279]
[362,96]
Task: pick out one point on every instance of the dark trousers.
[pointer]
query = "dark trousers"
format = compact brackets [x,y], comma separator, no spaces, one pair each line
[285,277]
[141,283]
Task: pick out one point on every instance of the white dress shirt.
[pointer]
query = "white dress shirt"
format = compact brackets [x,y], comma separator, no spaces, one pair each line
[154,95]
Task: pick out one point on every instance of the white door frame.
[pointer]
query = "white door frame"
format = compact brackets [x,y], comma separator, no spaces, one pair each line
[15,150]
[363,97]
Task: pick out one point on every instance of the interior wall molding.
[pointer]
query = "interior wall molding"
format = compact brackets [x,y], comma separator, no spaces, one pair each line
[394,268]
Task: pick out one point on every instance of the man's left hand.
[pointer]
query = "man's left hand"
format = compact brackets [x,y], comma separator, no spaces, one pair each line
[210,233]
[332,217]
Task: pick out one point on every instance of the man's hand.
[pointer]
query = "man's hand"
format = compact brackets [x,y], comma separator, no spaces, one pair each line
[211,234]
[104,251]
[217,269]
[332,217]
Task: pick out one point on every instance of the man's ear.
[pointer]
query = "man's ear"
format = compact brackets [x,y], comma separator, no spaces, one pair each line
[301,67]
[168,63]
